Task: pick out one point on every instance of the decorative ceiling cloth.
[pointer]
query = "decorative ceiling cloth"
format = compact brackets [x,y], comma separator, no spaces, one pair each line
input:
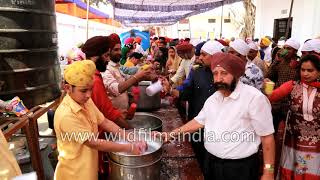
[161,12]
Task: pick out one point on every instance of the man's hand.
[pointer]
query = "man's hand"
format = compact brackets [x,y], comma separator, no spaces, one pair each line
[121,121]
[139,147]
[266,80]
[175,93]
[147,74]
[165,84]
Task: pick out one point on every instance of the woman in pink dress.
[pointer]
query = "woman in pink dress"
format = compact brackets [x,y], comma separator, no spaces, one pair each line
[300,159]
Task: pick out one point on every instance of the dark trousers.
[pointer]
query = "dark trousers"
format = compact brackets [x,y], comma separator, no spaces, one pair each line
[198,147]
[231,169]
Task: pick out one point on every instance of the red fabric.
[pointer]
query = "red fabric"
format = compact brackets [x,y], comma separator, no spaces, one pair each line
[135,93]
[312,84]
[223,42]
[102,101]
[287,174]
[115,39]
[294,63]
[281,92]
[129,40]
[231,63]
[138,40]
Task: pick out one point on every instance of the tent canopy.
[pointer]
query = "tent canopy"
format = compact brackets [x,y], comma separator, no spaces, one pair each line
[161,12]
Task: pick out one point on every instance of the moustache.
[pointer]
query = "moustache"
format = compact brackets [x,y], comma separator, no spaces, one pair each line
[221,86]
[115,58]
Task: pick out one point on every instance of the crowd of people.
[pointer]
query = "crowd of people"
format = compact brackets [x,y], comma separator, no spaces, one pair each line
[218,87]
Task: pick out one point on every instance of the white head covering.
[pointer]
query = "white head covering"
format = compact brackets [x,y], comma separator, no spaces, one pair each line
[293,43]
[240,46]
[212,47]
[312,45]
[253,46]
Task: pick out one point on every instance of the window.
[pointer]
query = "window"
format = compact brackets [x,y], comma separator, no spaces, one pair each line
[227,20]
[211,20]
[280,27]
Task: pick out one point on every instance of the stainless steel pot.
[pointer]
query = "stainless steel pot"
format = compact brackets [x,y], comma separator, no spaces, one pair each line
[142,172]
[147,103]
[147,166]
[152,155]
[147,121]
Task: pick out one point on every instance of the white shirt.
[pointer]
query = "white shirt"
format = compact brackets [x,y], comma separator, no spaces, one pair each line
[183,70]
[111,79]
[139,49]
[267,54]
[245,111]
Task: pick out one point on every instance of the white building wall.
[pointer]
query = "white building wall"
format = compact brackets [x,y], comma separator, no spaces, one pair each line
[200,27]
[305,14]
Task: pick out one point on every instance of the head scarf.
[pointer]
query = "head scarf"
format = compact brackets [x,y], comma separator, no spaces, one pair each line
[312,45]
[212,47]
[96,46]
[80,73]
[231,63]
[265,41]
[198,48]
[240,46]
[114,39]
[293,43]
[184,48]
[129,40]
[75,54]
[173,63]
[138,40]
[223,42]
[253,46]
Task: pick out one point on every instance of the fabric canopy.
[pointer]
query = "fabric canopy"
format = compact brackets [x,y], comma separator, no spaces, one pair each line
[161,12]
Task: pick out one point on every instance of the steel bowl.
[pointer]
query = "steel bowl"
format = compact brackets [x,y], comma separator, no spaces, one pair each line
[153,153]
[147,121]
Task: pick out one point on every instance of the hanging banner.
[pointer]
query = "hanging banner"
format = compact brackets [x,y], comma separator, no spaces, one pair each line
[145,36]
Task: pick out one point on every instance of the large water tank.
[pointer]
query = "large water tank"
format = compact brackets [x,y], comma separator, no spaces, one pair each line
[29,66]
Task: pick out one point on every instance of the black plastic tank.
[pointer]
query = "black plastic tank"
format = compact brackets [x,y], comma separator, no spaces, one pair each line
[29,65]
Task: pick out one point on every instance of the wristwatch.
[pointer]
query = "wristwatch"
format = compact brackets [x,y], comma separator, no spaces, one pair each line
[269,167]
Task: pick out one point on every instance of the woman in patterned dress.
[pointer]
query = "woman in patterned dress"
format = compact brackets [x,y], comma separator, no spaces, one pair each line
[300,159]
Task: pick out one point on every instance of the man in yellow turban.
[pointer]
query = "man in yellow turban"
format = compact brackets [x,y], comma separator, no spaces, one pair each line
[76,123]
[265,51]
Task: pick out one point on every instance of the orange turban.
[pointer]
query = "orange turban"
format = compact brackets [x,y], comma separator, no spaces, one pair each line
[138,40]
[265,41]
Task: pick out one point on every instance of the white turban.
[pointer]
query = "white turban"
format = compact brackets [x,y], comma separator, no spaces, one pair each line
[312,45]
[212,47]
[253,46]
[240,46]
[292,43]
